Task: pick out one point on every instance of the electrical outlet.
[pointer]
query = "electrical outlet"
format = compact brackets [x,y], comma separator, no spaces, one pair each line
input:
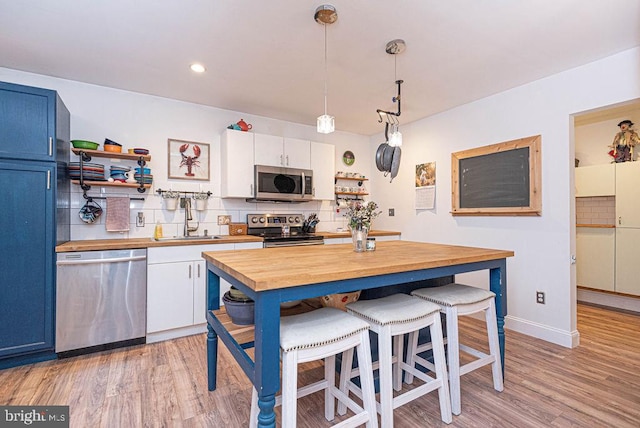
[540,297]
[140,219]
[224,219]
[392,212]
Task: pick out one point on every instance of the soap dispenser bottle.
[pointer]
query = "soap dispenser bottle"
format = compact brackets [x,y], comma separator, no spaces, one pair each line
[157,233]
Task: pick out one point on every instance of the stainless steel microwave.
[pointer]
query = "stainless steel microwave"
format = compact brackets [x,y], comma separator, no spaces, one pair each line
[274,183]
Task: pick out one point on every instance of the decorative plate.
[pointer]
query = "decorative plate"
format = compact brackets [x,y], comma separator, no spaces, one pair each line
[348,158]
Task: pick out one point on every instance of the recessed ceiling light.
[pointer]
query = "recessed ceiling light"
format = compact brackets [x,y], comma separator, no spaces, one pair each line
[198,68]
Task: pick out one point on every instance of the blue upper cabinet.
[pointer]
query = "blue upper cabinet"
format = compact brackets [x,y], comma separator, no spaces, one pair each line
[27,122]
[34,200]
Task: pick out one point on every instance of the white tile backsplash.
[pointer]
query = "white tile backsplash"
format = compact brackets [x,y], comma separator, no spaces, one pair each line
[596,210]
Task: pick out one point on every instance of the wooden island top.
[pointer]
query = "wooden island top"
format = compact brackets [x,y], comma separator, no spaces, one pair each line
[276,268]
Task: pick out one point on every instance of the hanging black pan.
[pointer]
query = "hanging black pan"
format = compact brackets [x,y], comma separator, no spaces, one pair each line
[379,156]
[395,162]
[387,158]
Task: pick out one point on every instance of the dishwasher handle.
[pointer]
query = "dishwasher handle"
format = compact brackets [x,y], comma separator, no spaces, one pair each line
[100,261]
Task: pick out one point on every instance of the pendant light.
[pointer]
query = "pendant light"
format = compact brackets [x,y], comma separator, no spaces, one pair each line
[325,15]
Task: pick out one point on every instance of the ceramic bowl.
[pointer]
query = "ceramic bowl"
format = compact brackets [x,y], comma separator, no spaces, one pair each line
[241,313]
[112,148]
[84,144]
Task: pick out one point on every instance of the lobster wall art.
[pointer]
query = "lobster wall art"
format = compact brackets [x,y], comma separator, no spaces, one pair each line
[188,160]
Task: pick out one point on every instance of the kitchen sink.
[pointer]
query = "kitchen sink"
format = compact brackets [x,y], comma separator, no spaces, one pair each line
[187,238]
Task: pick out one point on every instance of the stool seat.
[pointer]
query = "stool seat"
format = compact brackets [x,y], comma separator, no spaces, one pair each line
[391,318]
[319,327]
[394,309]
[456,300]
[316,335]
[454,294]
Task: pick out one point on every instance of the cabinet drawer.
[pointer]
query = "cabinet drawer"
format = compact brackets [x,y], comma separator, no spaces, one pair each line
[182,253]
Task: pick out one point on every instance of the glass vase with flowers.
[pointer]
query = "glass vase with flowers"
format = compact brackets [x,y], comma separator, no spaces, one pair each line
[360,215]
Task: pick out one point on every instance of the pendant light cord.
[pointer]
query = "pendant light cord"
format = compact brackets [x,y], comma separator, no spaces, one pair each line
[326,74]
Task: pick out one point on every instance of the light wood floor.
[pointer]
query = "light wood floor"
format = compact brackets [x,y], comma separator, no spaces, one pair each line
[164,384]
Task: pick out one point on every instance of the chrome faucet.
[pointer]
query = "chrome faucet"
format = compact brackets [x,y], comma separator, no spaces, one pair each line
[188,216]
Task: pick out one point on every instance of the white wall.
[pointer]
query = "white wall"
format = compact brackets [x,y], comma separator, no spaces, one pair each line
[543,245]
[138,120]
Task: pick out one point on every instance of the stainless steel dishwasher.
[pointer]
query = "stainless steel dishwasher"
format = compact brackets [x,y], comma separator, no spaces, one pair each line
[101,300]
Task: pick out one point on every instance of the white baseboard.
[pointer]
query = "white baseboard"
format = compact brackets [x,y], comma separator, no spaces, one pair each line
[610,300]
[568,339]
[159,336]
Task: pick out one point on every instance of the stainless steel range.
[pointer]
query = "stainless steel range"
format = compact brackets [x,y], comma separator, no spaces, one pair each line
[281,230]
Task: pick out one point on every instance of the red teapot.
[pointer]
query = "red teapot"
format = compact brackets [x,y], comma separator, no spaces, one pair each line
[244,126]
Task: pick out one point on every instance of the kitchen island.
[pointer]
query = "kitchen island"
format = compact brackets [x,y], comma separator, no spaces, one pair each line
[273,275]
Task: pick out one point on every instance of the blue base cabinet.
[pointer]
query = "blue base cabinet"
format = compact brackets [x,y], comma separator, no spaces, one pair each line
[34,195]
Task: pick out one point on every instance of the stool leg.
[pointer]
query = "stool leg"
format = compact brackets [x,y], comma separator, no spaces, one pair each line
[289,388]
[440,364]
[330,379]
[398,346]
[412,350]
[494,346]
[366,379]
[453,356]
[253,417]
[386,384]
[345,377]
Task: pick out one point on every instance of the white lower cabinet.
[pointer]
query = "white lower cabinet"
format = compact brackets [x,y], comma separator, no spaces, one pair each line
[595,258]
[329,241]
[170,295]
[627,281]
[176,290]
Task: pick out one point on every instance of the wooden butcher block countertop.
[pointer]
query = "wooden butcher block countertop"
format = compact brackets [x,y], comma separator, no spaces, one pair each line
[273,268]
[125,244]
[129,243]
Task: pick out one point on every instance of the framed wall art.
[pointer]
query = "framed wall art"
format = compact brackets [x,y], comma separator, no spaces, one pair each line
[188,160]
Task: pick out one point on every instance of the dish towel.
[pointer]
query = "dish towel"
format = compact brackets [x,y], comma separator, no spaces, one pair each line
[117,214]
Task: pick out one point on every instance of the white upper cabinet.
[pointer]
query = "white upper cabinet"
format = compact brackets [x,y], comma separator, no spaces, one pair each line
[628,194]
[297,153]
[323,166]
[272,150]
[236,153]
[596,180]
[268,150]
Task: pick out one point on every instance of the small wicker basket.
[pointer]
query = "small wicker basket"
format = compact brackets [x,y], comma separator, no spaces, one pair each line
[339,300]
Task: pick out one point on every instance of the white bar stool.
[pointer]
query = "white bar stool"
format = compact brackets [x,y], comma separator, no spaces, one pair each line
[391,317]
[456,300]
[312,336]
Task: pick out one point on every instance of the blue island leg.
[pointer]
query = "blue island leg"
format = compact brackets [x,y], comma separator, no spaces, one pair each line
[267,356]
[213,302]
[498,284]
[212,357]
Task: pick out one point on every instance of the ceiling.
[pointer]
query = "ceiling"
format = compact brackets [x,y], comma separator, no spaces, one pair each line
[266,58]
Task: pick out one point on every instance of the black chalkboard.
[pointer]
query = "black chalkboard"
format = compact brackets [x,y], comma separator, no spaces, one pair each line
[495,180]
[500,179]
